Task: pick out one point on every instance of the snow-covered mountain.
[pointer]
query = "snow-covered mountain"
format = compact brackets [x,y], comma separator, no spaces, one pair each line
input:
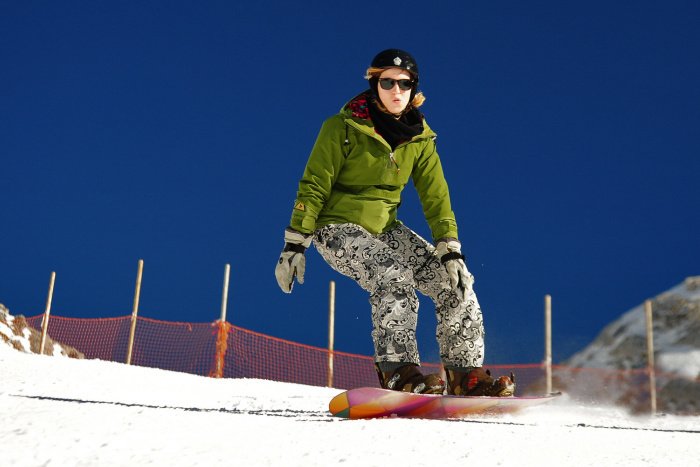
[676,318]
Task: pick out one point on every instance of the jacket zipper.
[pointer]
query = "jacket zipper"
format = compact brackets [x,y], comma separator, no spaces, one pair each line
[391,153]
[391,156]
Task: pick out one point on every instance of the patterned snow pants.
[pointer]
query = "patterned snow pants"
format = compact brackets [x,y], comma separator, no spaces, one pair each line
[391,267]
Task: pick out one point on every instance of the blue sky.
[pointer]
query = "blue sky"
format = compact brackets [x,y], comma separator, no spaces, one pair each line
[176,132]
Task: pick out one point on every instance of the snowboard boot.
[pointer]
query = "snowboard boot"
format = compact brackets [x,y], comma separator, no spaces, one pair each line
[408,378]
[478,382]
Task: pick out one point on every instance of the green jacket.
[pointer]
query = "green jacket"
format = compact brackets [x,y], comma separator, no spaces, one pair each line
[353,176]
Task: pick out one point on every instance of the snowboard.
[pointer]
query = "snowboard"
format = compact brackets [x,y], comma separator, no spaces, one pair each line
[370,402]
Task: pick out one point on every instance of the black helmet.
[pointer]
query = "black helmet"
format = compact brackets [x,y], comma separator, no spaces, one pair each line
[396,58]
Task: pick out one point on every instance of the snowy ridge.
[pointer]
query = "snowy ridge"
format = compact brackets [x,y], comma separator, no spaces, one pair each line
[622,344]
[18,340]
[88,412]
[19,335]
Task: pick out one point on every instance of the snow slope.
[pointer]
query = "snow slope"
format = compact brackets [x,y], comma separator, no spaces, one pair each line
[57,411]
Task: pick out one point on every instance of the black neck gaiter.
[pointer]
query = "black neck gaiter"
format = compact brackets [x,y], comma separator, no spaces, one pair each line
[396,131]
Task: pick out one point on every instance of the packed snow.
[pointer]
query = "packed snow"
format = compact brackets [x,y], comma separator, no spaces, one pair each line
[56,411]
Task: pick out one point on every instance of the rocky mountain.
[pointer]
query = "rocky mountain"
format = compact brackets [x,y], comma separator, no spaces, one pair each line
[15,332]
[676,324]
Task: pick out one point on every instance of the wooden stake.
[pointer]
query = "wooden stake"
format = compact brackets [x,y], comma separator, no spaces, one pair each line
[548,342]
[224,295]
[650,355]
[331,331]
[47,313]
[134,312]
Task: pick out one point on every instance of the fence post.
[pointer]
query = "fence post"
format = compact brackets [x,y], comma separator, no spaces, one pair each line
[224,294]
[331,331]
[548,342]
[650,355]
[222,330]
[47,313]
[134,311]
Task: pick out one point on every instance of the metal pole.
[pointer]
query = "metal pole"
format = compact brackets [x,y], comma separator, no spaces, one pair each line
[331,331]
[548,342]
[47,313]
[650,355]
[134,312]
[222,329]
[224,295]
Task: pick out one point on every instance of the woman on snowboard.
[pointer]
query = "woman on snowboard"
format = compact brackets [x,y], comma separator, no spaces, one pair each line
[347,204]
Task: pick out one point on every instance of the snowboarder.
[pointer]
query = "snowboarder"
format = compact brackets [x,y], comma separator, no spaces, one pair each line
[347,204]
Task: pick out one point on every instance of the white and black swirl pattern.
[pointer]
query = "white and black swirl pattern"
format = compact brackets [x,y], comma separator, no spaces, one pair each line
[392,266]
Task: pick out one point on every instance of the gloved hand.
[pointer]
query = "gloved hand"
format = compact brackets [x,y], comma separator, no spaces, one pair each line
[449,252]
[292,261]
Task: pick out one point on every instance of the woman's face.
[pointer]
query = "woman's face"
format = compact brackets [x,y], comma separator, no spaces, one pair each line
[395,99]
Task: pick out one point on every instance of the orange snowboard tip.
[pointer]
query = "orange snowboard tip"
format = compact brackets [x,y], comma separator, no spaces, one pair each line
[340,406]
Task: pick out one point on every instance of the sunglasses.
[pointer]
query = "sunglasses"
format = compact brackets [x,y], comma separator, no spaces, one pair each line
[389,83]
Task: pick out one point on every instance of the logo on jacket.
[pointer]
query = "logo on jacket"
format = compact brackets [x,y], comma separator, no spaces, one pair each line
[300,206]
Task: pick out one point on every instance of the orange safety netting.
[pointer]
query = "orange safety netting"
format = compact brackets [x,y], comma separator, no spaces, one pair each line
[221,349]
[211,349]
[221,346]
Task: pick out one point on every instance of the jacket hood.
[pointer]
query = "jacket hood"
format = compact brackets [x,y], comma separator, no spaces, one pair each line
[358,106]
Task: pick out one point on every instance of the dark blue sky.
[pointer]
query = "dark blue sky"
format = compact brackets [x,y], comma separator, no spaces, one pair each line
[176,132]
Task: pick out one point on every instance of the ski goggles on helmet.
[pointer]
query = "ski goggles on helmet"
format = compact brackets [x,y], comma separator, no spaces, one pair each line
[389,83]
